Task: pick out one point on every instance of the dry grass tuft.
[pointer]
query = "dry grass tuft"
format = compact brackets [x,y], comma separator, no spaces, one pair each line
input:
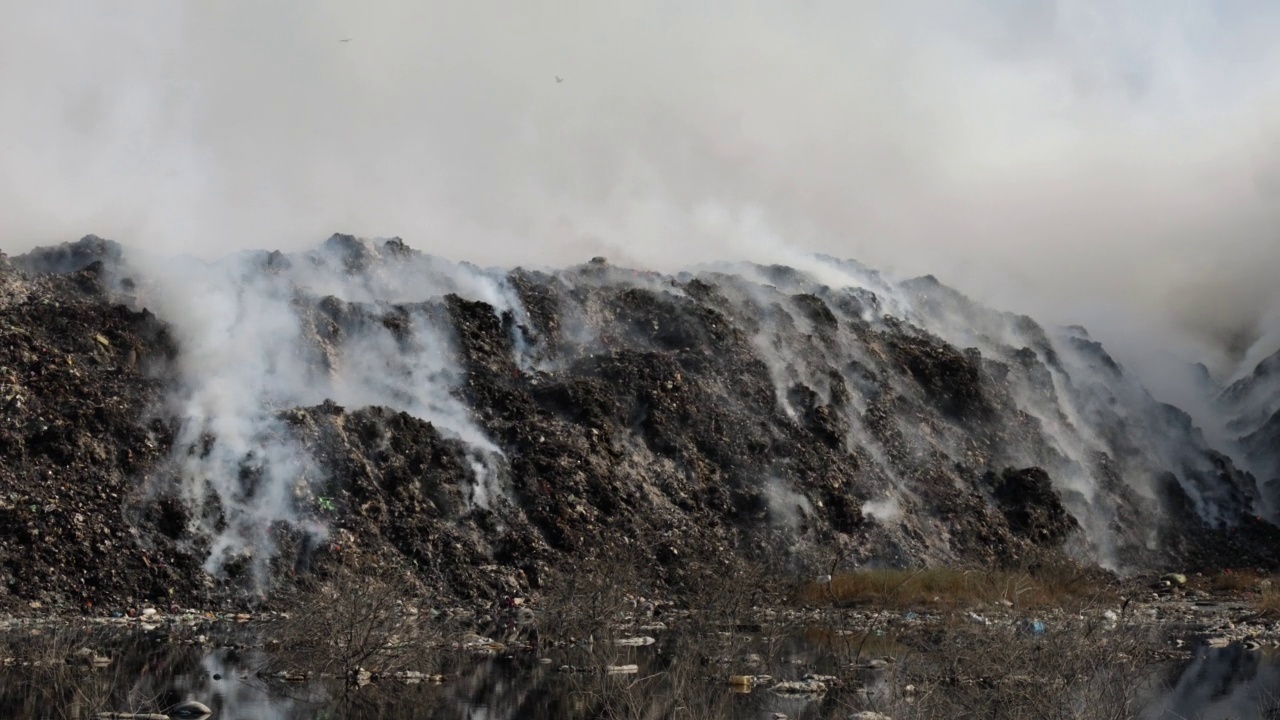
[1050,586]
[1267,601]
[1236,582]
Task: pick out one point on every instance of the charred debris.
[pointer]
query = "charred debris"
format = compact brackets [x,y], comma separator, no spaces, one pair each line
[673,426]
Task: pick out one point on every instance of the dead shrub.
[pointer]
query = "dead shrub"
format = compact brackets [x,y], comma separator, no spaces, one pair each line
[352,622]
[595,604]
[1079,672]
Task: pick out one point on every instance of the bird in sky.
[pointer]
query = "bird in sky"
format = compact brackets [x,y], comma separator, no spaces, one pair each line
[559,79]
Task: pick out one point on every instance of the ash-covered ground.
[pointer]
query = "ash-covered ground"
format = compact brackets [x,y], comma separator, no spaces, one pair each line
[210,433]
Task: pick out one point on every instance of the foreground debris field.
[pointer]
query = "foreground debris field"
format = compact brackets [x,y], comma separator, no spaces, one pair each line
[363,650]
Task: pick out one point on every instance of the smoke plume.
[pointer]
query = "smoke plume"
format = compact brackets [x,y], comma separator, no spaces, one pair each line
[352,322]
[1087,161]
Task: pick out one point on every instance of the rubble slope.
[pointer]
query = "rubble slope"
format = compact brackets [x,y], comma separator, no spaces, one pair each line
[225,430]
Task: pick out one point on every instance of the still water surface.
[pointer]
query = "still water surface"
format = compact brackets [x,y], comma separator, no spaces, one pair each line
[1217,683]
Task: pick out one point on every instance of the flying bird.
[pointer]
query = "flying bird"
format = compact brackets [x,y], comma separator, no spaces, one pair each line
[345,40]
[559,79]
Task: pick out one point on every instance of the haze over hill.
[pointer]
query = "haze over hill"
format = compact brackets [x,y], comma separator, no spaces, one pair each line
[1114,164]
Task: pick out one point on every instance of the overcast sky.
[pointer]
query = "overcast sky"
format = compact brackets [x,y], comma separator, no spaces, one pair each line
[1114,162]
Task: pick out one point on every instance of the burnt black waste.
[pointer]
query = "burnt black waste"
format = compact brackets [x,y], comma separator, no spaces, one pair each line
[220,430]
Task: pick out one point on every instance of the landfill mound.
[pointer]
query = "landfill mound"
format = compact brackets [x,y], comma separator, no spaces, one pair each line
[223,432]
[80,381]
[1252,405]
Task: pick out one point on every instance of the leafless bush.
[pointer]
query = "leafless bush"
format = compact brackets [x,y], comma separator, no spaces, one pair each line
[352,622]
[717,622]
[1078,672]
[597,602]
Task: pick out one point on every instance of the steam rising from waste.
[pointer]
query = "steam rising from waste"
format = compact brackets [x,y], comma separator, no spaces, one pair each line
[353,322]
[863,395]
[787,507]
[1110,164]
[885,510]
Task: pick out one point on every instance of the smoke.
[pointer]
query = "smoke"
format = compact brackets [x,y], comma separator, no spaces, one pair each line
[787,508]
[1114,164]
[1081,160]
[886,510]
[261,335]
[238,369]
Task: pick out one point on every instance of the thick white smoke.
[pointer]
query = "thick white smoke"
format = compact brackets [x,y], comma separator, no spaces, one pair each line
[1111,163]
[250,351]
[239,367]
[1115,164]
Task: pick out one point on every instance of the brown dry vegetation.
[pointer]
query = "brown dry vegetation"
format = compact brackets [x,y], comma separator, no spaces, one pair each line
[1242,581]
[1267,601]
[1060,585]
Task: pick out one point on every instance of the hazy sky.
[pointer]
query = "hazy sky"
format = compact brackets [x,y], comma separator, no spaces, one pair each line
[1115,162]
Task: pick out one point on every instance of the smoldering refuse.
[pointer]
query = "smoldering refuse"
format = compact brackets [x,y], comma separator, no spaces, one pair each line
[362,382]
[354,322]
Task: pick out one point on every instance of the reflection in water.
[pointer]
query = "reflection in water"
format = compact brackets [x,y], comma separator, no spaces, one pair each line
[1222,683]
[148,675]
[233,692]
